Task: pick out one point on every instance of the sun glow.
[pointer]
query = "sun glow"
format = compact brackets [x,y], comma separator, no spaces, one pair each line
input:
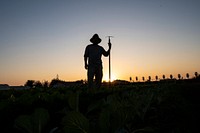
[106,77]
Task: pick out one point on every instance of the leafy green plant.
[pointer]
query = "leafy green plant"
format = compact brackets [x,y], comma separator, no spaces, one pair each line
[119,110]
[73,100]
[135,108]
[75,122]
[34,123]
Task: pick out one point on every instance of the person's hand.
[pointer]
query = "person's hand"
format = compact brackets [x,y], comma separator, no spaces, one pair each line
[109,45]
[86,66]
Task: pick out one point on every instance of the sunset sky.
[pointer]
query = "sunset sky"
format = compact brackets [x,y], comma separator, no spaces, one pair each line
[42,38]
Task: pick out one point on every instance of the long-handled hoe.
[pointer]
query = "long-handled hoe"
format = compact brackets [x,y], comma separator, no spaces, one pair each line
[109,62]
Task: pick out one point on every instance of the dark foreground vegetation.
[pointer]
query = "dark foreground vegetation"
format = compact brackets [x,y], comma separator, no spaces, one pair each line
[153,107]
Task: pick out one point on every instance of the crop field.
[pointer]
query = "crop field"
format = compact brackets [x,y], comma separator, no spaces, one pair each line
[153,107]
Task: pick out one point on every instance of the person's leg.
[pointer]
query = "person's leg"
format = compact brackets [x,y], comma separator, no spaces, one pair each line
[91,72]
[98,76]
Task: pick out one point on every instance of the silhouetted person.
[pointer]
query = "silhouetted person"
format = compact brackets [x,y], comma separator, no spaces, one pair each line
[93,62]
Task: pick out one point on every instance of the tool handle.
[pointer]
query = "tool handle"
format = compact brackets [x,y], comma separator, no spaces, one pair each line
[109,43]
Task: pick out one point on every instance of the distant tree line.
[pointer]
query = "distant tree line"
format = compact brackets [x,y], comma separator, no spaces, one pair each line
[34,84]
[54,83]
[46,84]
[196,76]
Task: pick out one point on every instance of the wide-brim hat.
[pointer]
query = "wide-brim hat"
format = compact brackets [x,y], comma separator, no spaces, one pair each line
[95,39]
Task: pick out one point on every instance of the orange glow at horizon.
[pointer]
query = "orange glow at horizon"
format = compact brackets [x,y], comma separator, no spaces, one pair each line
[106,77]
[41,40]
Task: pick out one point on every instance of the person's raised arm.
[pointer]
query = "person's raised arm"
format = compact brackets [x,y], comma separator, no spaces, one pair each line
[109,45]
[106,53]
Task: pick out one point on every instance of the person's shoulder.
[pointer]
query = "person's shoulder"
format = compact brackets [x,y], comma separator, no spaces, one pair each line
[89,45]
[100,47]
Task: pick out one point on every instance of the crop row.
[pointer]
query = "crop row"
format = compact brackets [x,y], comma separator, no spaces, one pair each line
[126,109]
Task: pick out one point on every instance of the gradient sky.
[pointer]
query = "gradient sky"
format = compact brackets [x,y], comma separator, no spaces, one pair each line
[42,38]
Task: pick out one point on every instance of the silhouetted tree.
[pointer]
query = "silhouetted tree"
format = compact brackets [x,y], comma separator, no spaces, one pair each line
[163,77]
[196,74]
[156,78]
[54,82]
[171,76]
[179,76]
[130,79]
[187,75]
[37,84]
[149,78]
[143,79]
[136,78]
[29,83]
[45,84]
